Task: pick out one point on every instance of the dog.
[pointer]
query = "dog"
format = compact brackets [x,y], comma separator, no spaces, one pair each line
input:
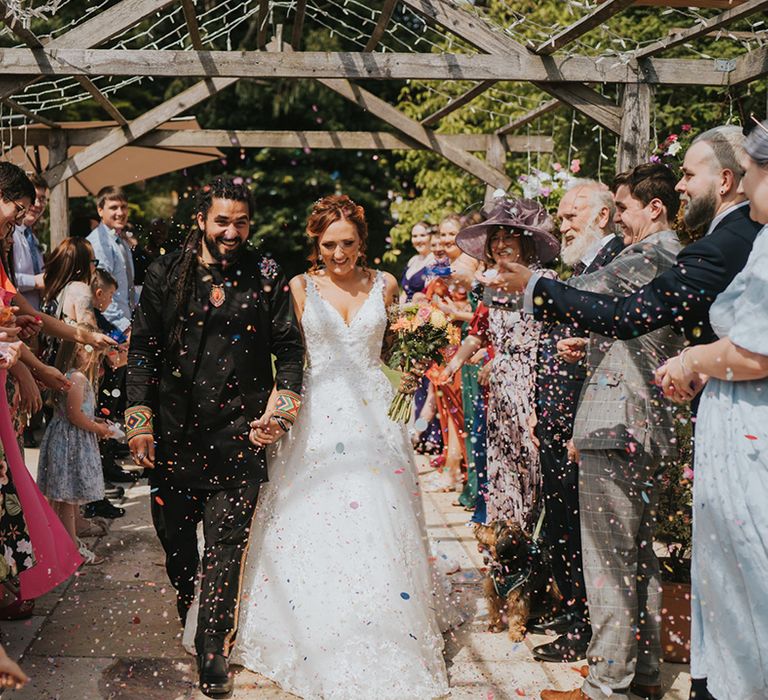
[518,579]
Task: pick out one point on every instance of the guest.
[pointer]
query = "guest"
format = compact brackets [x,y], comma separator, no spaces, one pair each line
[624,431]
[112,244]
[28,263]
[69,466]
[66,291]
[586,212]
[11,676]
[730,488]
[417,270]
[517,230]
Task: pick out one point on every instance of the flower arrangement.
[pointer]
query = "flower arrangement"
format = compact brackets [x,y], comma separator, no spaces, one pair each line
[548,187]
[669,152]
[422,334]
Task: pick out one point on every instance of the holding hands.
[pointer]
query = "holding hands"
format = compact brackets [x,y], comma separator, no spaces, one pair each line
[572,349]
[678,381]
[266,430]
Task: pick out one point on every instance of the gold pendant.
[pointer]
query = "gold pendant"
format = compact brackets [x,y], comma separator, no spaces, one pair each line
[217,295]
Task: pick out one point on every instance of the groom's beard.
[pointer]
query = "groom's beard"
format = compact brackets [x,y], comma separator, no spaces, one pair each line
[224,258]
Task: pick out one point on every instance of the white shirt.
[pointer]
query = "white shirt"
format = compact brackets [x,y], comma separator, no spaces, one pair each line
[23,266]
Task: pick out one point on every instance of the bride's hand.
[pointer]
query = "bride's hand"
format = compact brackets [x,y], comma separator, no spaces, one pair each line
[265,431]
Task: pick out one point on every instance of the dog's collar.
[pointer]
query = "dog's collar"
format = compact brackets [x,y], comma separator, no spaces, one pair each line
[506,583]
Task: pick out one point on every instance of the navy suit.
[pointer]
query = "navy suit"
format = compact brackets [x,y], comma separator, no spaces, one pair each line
[680,297]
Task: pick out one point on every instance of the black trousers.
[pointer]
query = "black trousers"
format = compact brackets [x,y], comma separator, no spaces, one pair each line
[562,530]
[226,516]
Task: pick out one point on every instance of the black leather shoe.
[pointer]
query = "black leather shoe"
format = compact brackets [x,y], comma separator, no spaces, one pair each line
[112,490]
[699,690]
[113,473]
[649,692]
[215,681]
[565,649]
[551,625]
[102,509]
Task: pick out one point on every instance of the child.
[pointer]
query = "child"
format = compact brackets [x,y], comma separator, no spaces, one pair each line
[69,467]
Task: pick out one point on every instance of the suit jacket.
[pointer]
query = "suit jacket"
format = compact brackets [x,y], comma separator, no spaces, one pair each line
[199,443]
[558,383]
[619,404]
[680,297]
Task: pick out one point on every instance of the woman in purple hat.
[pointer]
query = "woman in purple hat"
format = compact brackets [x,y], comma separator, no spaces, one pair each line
[517,230]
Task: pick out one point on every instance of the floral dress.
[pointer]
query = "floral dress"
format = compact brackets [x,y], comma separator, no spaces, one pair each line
[514,469]
[16,545]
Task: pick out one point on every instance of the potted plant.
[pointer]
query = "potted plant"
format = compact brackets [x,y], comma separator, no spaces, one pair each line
[674,532]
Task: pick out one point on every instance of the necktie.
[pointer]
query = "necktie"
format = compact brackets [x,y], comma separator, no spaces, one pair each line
[33,250]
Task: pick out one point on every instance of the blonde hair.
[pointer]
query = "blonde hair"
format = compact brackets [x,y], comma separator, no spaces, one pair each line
[66,358]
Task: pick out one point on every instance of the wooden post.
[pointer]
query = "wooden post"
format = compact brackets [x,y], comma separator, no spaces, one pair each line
[58,201]
[635,136]
[495,156]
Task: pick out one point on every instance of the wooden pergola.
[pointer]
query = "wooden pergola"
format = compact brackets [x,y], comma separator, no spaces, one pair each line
[83,53]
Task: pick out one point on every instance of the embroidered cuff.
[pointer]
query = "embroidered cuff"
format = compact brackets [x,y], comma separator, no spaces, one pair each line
[286,408]
[138,421]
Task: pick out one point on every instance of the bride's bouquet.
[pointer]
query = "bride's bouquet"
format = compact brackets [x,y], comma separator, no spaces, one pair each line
[422,333]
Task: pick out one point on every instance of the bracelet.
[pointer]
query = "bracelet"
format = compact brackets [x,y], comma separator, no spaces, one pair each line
[287,407]
[681,357]
[138,421]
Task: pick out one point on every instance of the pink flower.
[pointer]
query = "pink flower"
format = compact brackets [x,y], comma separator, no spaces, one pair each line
[424,313]
[557,167]
[688,473]
[575,165]
[545,191]
[685,127]
[672,137]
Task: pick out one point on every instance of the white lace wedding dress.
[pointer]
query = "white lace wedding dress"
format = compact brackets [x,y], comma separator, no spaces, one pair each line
[340,599]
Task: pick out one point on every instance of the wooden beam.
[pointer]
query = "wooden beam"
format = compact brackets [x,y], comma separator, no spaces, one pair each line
[635,136]
[750,66]
[703,28]
[600,14]
[587,101]
[21,109]
[119,137]
[261,21]
[531,116]
[412,128]
[496,157]
[487,39]
[381,25]
[58,200]
[458,102]
[95,31]
[298,24]
[378,66]
[190,17]
[343,140]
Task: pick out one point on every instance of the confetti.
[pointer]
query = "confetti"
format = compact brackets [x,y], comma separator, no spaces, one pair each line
[354,505]
[340,447]
[751,437]
[405,596]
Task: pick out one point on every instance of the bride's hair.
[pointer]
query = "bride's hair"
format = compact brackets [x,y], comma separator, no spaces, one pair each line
[328,210]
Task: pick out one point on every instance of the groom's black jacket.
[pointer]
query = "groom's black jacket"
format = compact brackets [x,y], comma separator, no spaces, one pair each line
[680,297]
[204,397]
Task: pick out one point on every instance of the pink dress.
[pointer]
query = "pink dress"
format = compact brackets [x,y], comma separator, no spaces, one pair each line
[56,557]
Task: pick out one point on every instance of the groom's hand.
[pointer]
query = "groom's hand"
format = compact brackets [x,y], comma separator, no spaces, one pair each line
[142,449]
[265,431]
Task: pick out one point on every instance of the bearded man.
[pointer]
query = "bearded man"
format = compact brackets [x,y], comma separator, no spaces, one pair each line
[203,401]
[586,215]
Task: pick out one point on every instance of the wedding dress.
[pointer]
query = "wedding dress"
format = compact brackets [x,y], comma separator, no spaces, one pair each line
[340,599]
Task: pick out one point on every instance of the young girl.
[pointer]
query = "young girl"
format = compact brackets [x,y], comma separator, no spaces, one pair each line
[69,468]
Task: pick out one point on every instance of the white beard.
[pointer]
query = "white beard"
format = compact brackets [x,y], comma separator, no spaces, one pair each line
[587,240]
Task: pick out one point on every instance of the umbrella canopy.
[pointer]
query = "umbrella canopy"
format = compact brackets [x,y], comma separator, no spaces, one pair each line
[126,166]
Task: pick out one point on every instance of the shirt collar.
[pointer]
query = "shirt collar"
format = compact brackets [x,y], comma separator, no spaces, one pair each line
[589,257]
[723,214]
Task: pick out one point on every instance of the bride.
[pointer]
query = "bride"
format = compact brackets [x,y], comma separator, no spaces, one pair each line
[339,594]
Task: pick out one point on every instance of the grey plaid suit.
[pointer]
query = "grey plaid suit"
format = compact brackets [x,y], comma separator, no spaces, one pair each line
[623,430]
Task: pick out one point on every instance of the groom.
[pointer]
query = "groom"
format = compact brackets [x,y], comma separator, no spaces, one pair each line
[203,401]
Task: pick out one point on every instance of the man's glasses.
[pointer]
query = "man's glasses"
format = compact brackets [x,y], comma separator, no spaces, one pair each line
[21,211]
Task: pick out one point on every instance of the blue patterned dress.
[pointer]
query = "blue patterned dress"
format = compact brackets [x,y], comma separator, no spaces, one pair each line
[730,493]
[69,467]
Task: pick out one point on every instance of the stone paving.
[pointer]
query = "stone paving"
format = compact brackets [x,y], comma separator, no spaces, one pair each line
[111,632]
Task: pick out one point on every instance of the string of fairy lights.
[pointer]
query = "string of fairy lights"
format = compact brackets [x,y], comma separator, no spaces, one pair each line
[351,22]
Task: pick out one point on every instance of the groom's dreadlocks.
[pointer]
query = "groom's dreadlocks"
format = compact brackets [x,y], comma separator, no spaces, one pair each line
[220,188]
